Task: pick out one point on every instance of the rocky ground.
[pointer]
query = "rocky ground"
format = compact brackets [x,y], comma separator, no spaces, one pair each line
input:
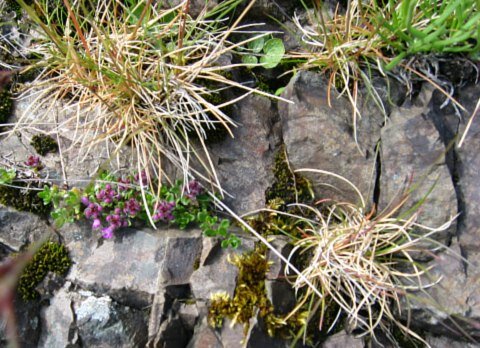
[152,287]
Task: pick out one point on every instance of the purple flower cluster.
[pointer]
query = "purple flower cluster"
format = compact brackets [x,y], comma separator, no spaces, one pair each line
[107,195]
[193,190]
[132,207]
[111,205]
[164,211]
[142,178]
[33,162]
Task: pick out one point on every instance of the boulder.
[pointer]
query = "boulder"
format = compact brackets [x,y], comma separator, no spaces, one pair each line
[130,266]
[321,136]
[413,161]
[244,162]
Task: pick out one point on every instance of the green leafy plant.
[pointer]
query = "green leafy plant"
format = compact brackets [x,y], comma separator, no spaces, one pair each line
[271,52]
[113,202]
[7,176]
[430,26]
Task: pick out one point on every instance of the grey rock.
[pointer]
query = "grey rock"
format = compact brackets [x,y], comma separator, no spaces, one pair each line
[217,274]
[413,158]
[451,307]
[244,162]
[28,326]
[446,342]
[469,177]
[57,320]
[277,266]
[18,228]
[195,7]
[233,335]
[281,294]
[318,136]
[130,266]
[172,334]
[342,340]
[188,314]
[102,323]
[204,337]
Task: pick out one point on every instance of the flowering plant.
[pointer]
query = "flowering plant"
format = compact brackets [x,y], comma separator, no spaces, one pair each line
[114,202]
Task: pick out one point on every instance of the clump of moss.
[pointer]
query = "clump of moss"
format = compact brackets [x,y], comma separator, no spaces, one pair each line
[6,105]
[250,293]
[288,186]
[44,144]
[23,199]
[51,257]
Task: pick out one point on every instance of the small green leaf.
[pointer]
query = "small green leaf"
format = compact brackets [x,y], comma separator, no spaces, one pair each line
[250,60]
[7,176]
[279,91]
[274,51]
[257,44]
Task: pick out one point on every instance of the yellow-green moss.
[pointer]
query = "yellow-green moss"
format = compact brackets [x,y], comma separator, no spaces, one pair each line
[44,144]
[51,257]
[250,293]
[23,199]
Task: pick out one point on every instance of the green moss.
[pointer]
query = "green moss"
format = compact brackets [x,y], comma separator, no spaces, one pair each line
[6,105]
[250,296]
[23,199]
[250,293]
[44,144]
[288,186]
[51,257]
[12,6]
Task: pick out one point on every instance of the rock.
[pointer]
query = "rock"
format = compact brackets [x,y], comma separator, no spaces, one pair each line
[282,295]
[130,267]
[102,323]
[451,307]
[446,342]
[217,274]
[204,337]
[468,164]
[413,158]
[76,162]
[195,7]
[57,320]
[276,269]
[172,334]
[244,162]
[27,316]
[318,136]
[18,228]
[342,340]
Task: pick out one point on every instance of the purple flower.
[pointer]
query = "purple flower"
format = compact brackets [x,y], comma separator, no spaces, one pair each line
[33,162]
[97,224]
[107,232]
[193,190]
[93,211]
[123,184]
[116,220]
[85,200]
[132,207]
[164,211]
[107,195]
[142,178]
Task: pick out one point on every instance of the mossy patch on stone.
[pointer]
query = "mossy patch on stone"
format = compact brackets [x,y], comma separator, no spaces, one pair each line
[44,144]
[23,199]
[250,293]
[288,186]
[51,257]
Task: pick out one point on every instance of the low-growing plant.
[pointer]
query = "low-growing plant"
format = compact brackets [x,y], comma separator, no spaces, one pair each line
[114,202]
[270,50]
